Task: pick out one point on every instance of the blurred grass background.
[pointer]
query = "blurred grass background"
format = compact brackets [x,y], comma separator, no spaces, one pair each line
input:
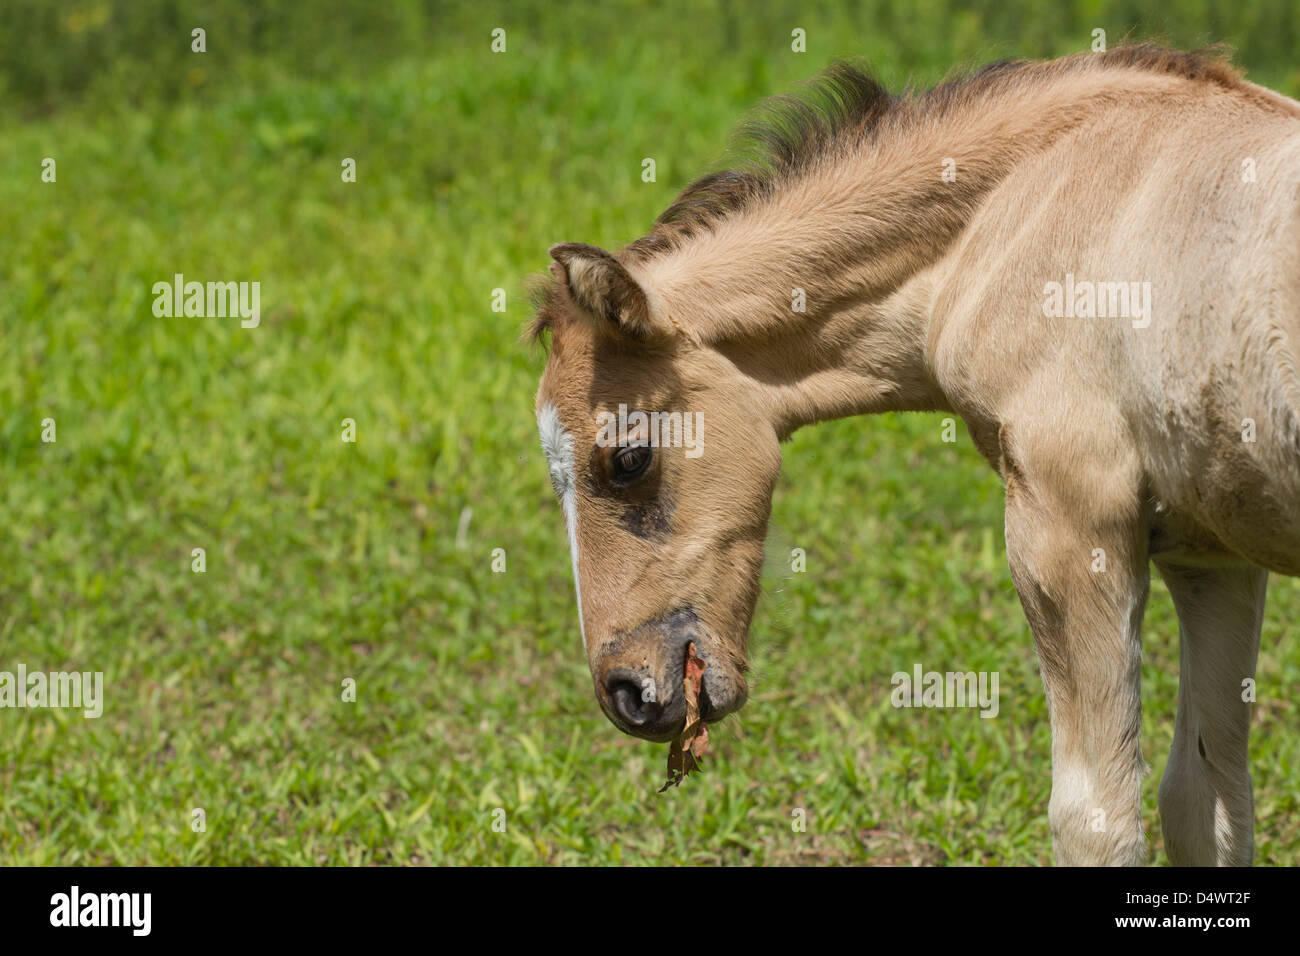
[328,560]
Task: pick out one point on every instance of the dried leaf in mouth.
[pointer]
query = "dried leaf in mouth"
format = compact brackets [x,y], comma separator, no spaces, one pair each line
[684,752]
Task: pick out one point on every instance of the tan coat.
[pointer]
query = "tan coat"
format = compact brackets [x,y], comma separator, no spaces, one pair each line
[1096,263]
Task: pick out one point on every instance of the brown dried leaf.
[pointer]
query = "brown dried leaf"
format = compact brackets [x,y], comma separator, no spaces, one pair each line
[685,751]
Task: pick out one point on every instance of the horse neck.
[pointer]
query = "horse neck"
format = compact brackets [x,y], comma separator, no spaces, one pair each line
[821,293]
[853,356]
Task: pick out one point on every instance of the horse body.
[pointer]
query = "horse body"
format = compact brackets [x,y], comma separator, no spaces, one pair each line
[1208,396]
[1107,291]
[1176,442]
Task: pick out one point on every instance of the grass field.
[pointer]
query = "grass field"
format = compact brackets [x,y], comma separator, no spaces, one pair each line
[328,560]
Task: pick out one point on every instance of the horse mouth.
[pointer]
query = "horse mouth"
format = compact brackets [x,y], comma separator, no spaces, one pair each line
[655,654]
[706,706]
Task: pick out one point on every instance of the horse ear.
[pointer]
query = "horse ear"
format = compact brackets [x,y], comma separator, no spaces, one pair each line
[600,285]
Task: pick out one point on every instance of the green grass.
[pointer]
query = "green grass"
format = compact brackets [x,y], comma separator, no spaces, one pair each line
[328,560]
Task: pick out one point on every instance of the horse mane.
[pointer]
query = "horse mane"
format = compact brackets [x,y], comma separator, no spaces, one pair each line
[845,108]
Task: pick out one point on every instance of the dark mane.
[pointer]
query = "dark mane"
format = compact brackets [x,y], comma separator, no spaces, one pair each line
[846,107]
[543,294]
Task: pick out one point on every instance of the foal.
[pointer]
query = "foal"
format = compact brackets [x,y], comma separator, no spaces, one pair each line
[1095,262]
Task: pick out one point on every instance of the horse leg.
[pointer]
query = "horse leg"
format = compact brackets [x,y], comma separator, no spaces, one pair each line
[1206,797]
[1077,548]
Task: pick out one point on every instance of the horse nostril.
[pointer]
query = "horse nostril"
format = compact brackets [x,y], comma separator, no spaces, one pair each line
[625,695]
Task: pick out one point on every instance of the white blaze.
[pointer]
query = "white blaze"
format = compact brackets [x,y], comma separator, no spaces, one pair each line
[557,444]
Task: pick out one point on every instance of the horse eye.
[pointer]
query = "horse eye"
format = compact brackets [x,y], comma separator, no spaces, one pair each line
[631,461]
